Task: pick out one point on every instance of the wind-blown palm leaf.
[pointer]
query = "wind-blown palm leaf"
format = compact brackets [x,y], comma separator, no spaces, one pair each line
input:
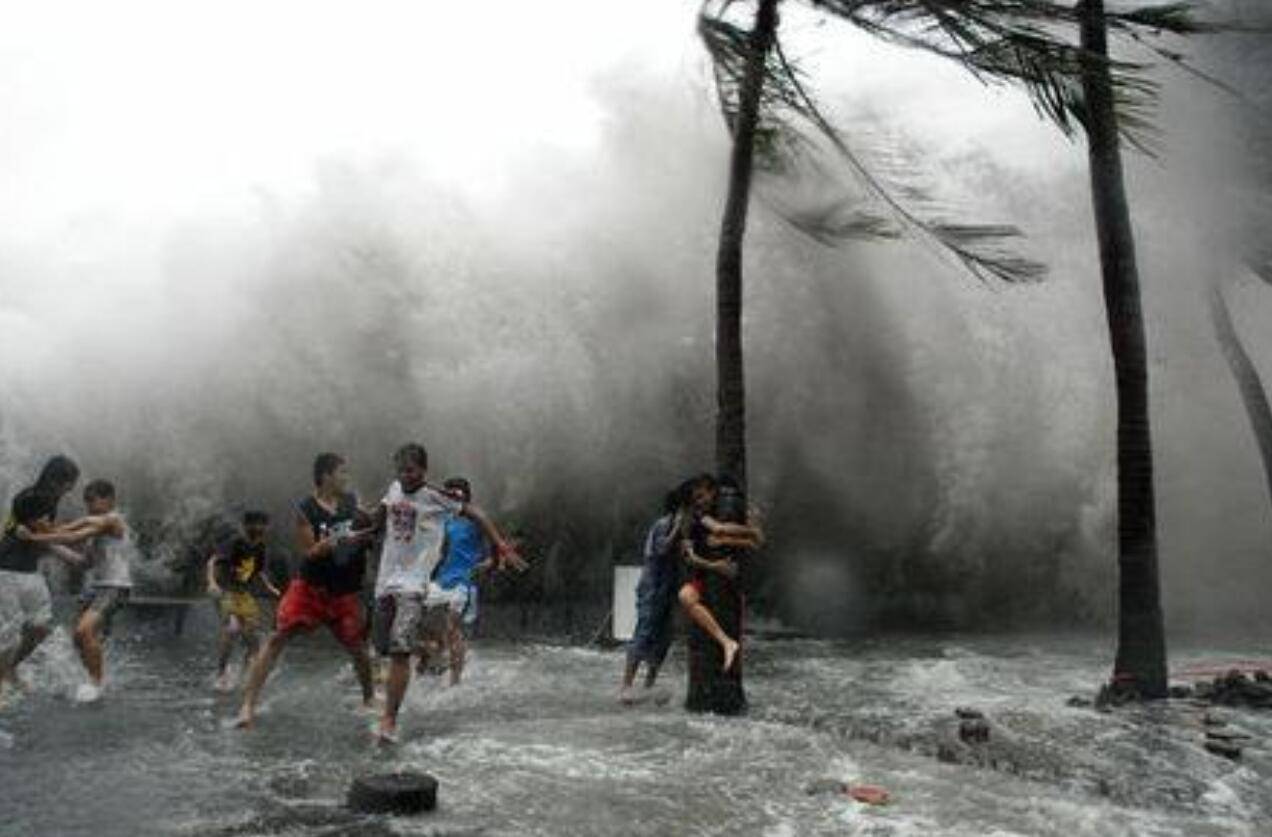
[1030,42]
[797,128]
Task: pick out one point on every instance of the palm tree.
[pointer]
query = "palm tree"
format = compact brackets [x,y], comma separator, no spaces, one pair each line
[1253,395]
[1141,641]
[1072,85]
[731,385]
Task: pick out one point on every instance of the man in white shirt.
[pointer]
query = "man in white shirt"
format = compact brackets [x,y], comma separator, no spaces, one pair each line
[413,516]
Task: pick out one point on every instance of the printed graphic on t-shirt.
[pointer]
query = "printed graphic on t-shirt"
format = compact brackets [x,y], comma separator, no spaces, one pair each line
[402,518]
[245,568]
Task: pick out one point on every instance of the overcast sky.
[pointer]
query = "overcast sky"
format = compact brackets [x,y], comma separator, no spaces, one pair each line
[146,112]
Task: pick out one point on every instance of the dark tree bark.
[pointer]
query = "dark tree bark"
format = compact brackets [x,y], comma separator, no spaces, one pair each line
[730,383]
[711,689]
[1253,395]
[1141,648]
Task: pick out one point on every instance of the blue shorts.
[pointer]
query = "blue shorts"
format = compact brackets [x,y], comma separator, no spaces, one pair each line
[651,639]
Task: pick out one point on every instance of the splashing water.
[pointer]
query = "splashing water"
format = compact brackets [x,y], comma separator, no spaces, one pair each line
[534,742]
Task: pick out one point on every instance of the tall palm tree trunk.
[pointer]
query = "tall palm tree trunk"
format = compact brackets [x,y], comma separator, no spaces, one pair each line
[730,383]
[1141,647]
[711,689]
[1253,395]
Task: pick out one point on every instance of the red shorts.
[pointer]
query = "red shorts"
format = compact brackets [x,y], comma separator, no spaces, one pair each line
[305,607]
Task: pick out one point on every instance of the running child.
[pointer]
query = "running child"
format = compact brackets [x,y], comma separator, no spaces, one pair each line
[465,553]
[333,537]
[413,516]
[108,581]
[108,578]
[234,574]
[26,608]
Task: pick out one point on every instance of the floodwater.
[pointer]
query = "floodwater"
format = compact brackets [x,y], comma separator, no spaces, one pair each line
[533,742]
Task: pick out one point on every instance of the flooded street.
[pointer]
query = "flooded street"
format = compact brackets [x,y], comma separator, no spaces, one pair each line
[533,742]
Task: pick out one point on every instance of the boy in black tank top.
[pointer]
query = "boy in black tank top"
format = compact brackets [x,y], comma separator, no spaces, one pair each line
[333,537]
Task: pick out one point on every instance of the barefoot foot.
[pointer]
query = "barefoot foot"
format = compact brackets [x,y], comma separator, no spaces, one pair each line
[731,649]
[385,732]
[88,693]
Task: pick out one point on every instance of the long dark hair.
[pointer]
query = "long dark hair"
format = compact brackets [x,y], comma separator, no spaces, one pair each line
[57,476]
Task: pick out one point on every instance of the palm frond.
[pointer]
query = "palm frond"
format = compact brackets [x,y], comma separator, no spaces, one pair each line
[796,133]
[1031,42]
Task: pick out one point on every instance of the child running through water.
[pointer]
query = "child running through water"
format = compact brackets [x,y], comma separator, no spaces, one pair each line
[233,574]
[465,552]
[413,515]
[706,534]
[107,582]
[333,537]
[26,608]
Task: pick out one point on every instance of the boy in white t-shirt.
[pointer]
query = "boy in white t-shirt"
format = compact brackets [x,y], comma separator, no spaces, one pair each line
[413,516]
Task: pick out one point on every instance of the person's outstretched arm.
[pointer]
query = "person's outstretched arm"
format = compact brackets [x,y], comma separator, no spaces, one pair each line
[269,586]
[75,532]
[740,535]
[505,553]
[213,587]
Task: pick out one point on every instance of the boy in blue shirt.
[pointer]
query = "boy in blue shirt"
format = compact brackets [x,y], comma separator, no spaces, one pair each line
[465,552]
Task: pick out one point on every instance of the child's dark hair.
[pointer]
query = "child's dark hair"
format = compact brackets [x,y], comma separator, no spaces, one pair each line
[30,504]
[99,490]
[682,495]
[255,517]
[411,453]
[703,480]
[60,472]
[461,485]
[324,464]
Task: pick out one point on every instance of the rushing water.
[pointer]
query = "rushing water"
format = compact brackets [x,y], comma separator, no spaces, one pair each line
[533,742]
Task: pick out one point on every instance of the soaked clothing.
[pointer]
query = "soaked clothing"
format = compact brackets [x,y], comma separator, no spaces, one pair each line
[402,621]
[305,606]
[413,540]
[656,593]
[466,547]
[239,565]
[24,594]
[105,602]
[24,602]
[47,507]
[462,601]
[108,561]
[18,555]
[698,535]
[342,571]
[243,606]
[238,570]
